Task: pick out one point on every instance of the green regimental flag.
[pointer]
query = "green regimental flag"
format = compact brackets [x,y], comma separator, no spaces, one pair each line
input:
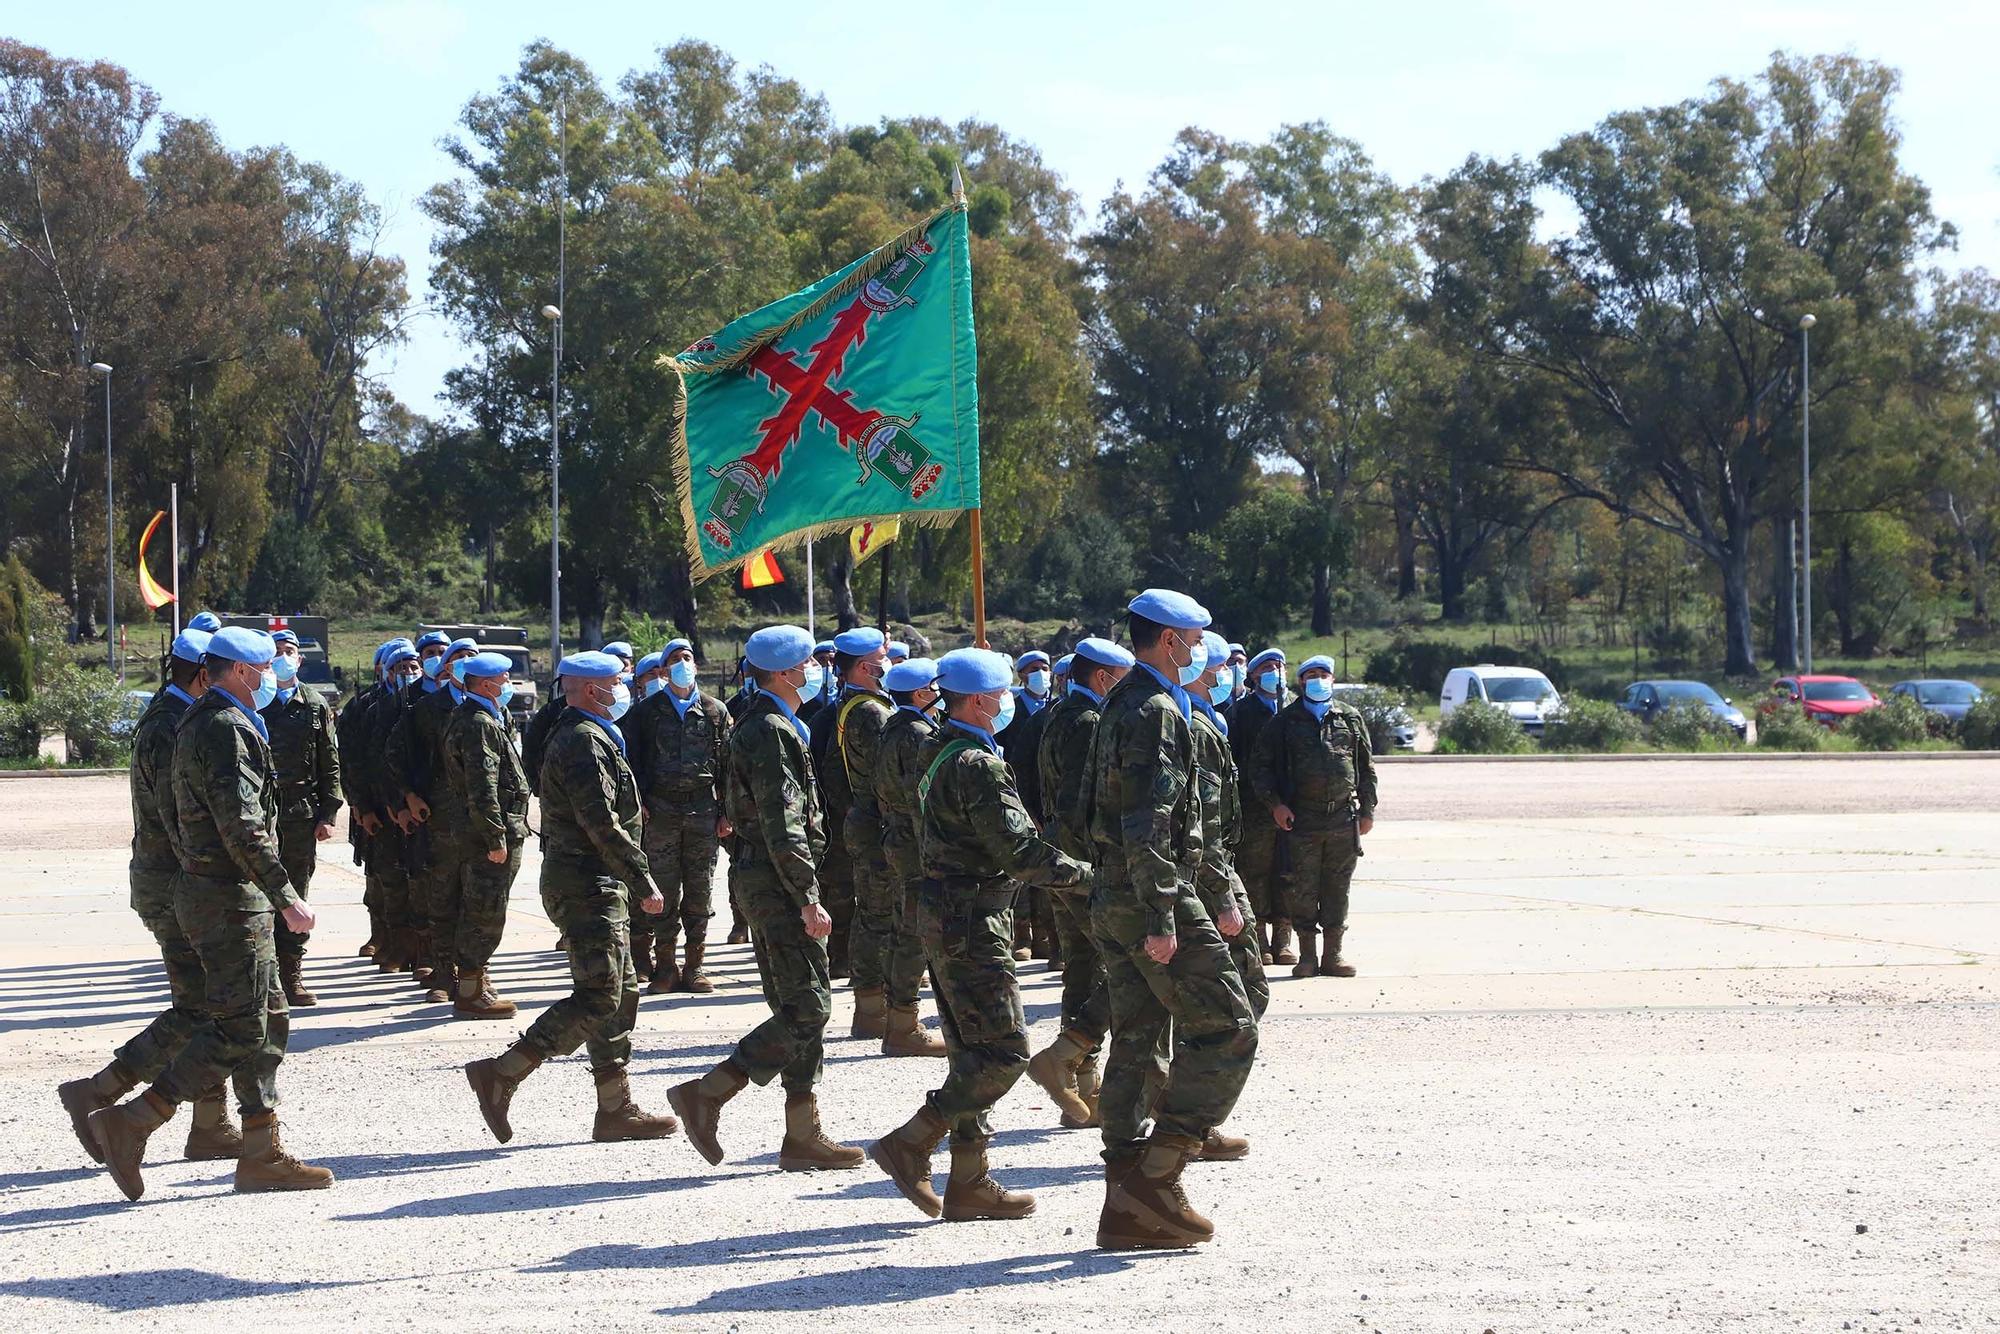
[853,399]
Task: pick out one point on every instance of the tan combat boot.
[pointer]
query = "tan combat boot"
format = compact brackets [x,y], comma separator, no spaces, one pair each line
[1308,964]
[213,1138]
[905,1035]
[1281,944]
[905,1155]
[1330,962]
[121,1133]
[81,1097]
[971,1194]
[1217,1147]
[692,977]
[494,1080]
[871,1013]
[1087,1088]
[423,960]
[1054,1069]
[806,1147]
[291,976]
[618,1117]
[476,998]
[1151,1197]
[264,1164]
[664,977]
[699,1105]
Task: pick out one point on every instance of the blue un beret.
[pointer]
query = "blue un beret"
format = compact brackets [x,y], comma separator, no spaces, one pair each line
[974,671]
[1276,655]
[205,621]
[1176,611]
[1062,664]
[284,637]
[673,646]
[778,648]
[824,646]
[1218,648]
[487,664]
[1104,653]
[898,650]
[592,665]
[432,639]
[241,644]
[862,639]
[1319,661]
[461,646]
[650,663]
[619,648]
[190,644]
[400,651]
[910,674]
[1029,659]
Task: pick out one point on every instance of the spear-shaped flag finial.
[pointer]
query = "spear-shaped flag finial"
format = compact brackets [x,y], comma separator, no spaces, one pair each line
[957,185]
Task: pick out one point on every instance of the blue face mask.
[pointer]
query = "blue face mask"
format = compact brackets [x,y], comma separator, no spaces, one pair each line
[1318,689]
[654,687]
[815,681]
[1197,663]
[1006,714]
[1038,682]
[1219,692]
[621,700]
[506,695]
[432,663]
[267,690]
[1268,682]
[681,673]
[458,670]
[286,668]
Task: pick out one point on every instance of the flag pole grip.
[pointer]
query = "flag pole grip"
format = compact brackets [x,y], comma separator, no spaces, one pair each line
[978,583]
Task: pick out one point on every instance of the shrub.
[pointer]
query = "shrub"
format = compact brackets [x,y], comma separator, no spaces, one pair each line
[1980,728]
[1899,724]
[1478,728]
[1590,725]
[1688,725]
[1785,726]
[82,705]
[20,737]
[1378,708]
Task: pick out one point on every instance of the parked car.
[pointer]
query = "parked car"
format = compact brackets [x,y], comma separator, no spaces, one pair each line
[1946,699]
[1527,696]
[1649,699]
[1826,699]
[1402,727]
[127,721]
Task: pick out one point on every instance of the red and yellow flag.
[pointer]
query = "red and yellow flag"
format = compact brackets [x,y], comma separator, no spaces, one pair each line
[870,536]
[761,570]
[149,588]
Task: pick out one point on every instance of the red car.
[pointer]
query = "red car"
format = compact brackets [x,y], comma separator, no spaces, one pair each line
[1826,699]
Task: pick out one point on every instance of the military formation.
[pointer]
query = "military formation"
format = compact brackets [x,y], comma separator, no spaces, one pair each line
[1160,819]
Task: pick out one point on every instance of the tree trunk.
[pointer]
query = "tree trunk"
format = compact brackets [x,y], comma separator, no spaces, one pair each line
[839,579]
[486,574]
[1975,561]
[1784,597]
[1740,651]
[1843,597]
[1406,547]
[682,604]
[1451,580]
[1322,603]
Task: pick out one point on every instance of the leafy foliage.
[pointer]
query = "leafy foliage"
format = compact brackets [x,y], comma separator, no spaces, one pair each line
[1690,725]
[1900,723]
[1590,725]
[1980,728]
[1479,728]
[1786,727]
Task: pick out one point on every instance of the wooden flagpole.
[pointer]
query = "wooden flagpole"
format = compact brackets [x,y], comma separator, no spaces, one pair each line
[882,592]
[978,542]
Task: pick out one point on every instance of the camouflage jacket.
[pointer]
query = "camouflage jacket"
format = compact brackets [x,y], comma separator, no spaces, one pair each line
[152,781]
[897,772]
[1063,760]
[1221,814]
[226,803]
[351,727]
[535,736]
[769,797]
[414,759]
[858,732]
[678,758]
[382,719]
[828,766]
[1021,746]
[1145,822]
[306,755]
[483,776]
[1248,718]
[971,823]
[590,803]
[1320,767]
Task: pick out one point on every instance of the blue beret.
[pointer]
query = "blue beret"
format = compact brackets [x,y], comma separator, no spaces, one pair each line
[824,646]
[898,650]
[190,644]
[1320,662]
[1062,664]
[1276,655]
[860,640]
[673,646]
[432,639]
[910,674]
[1028,659]
[778,648]
[650,663]
[1104,653]
[241,644]
[1234,649]
[487,664]
[1218,648]
[619,648]
[974,671]
[382,650]
[461,646]
[284,637]
[400,651]
[1176,611]
[591,665]
[205,621]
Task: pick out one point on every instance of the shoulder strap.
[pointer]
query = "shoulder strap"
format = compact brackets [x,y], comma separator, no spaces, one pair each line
[951,748]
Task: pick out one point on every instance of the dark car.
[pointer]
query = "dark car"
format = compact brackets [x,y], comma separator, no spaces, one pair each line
[1946,699]
[1649,699]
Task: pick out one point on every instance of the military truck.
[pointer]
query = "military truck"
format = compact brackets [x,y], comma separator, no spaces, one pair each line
[512,641]
[316,669]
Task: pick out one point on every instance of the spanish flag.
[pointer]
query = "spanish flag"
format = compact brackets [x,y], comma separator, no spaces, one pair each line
[869,537]
[761,570]
[155,596]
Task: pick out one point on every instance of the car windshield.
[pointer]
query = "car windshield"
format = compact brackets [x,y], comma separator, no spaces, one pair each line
[1516,689]
[1690,690]
[1948,692]
[1836,691]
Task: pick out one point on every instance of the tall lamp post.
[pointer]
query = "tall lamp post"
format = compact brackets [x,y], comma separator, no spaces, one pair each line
[110,575]
[553,314]
[1806,323]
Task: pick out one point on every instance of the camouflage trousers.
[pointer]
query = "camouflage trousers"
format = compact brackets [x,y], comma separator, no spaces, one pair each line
[389,880]
[1246,951]
[969,942]
[592,913]
[245,1023]
[300,854]
[1257,863]
[835,874]
[872,934]
[798,985]
[478,912]
[681,848]
[148,1053]
[904,961]
[1183,1029]
[1322,868]
[1086,1005]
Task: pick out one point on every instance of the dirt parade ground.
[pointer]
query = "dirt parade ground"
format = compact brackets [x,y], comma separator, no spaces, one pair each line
[1666,1045]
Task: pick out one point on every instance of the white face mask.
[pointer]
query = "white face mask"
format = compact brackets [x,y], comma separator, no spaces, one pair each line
[621,700]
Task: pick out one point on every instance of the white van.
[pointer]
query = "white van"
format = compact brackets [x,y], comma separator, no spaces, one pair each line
[1525,693]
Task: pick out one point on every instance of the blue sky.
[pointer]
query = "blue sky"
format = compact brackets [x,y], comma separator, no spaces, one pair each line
[369,88]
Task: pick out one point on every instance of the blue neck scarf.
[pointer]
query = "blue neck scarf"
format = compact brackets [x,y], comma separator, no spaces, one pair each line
[249,713]
[610,730]
[979,734]
[1221,724]
[180,694]
[1179,696]
[805,735]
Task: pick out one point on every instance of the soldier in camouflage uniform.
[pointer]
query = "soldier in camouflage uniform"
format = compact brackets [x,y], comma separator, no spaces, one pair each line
[535,736]
[1315,779]
[779,835]
[829,682]
[484,779]
[863,711]
[306,752]
[1258,856]
[414,764]
[911,685]
[368,781]
[154,869]
[835,871]
[592,864]
[1067,1068]
[226,811]
[1181,1020]
[680,746]
[346,730]
[978,845]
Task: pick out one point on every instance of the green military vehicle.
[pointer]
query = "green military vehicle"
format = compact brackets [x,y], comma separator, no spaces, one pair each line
[316,670]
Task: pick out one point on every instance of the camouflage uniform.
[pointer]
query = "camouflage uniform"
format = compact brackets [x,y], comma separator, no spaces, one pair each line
[779,837]
[1216,880]
[1021,745]
[872,938]
[835,871]
[535,736]
[405,910]
[1145,824]
[348,730]
[414,764]
[591,860]
[1322,768]
[897,772]
[973,834]
[484,777]
[678,757]
[307,759]
[1064,765]
[232,881]
[1257,854]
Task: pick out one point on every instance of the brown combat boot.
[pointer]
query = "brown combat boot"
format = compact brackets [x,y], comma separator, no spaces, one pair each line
[1308,964]
[1087,1085]
[739,929]
[618,1117]
[806,1147]
[1217,1147]
[664,977]
[692,977]
[1151,1197]
[494,1080]
[1119,1161]
[871,1014]
[699,1105]
[213,1138]
[971,1194]
[121,1133]
[1281,943]
[476,998]
[1330,962]
[1054,1069]
[442,986]
[905,1155]
[905,1035]
[392,952]
[81,1097]
[291,970]
[264,1164]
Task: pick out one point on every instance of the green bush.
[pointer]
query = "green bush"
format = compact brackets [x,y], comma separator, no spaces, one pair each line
[1479,728]
[1688,725]
[1899,724]
[1378,708]
[1590,725]
[1786,727]
[20,735]
[82,705]
[1980,728]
